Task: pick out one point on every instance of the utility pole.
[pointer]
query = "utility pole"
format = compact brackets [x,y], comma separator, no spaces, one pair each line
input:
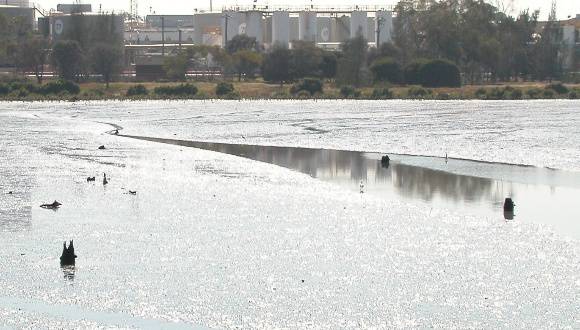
[380,22]
[162,36]
[179,38]
[226,17]
[210,6]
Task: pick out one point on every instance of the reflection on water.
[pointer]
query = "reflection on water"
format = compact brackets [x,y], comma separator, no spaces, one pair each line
[542,195]
[68,272]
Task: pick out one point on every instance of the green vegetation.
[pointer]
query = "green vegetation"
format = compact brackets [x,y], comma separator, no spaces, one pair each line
[224,88]
[181,90]
[137,90]
[311,85]
[387,69]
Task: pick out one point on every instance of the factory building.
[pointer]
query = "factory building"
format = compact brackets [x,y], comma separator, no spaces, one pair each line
[326,28]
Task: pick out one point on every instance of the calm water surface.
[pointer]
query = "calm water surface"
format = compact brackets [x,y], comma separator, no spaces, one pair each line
[541,195]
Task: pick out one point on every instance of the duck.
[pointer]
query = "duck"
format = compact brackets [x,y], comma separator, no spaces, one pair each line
[68,254]
[53,206]
[508,205]
[385,161]
[133,192]
[91,179]
[102,148]
[105,181]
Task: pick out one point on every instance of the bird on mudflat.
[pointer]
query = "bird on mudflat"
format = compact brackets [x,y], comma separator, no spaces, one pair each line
[53,206]
[105,181]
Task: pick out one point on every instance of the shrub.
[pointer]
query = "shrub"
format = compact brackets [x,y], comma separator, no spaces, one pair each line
[481,93]
[137,90]
[349,91]
[516,94]
[382,94]
[496,94]
[177,90]
[58,87]
[23,85]
[443,96]
[412,70]
[548,94]
[418,92]
[224,88]
[4,89]
[440,73]
[558,88]
[233,95]
[303,94]
[534,93]
[386,69]
[310,85]
[573,95]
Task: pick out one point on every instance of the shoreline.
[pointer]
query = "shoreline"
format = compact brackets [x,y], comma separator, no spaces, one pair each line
[205,90]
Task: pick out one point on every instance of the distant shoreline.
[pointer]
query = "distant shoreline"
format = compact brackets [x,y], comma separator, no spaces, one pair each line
[265,91]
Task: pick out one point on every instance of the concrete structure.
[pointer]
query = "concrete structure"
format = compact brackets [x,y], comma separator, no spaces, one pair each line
[149,67]
[571,44]
[16,3]
[74,8]
[383,27]
[16,11]
[307,27]
[208,29]
[233,23]
[281,28]
[152,36]
[58,27]
[359,24]
[170,21]
[254,24]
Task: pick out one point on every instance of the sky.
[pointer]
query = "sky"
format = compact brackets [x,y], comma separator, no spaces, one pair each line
[565,7]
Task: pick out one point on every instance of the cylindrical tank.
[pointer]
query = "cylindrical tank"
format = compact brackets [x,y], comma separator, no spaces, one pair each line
[358,24]
[340,28]
[235,25]
[307,26]
[384,26]
[281,28]
[254,25]
[323,32]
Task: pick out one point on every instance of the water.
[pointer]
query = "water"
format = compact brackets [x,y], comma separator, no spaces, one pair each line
[212,239]
[542,195]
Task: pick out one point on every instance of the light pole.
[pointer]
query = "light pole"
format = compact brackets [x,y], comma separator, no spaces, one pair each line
[226,17]
[380,22]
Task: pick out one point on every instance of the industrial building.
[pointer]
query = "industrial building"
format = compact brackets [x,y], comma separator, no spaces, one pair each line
[326,27]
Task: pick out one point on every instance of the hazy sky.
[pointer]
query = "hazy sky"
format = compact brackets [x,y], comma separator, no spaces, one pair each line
[565,7]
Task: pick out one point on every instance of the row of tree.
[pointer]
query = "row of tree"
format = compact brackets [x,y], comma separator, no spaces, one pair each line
[86,48]
[430,37]
[485,42]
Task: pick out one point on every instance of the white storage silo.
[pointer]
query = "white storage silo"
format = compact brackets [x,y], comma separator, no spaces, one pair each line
[384,26]
[254,25]
[281,28]
[307,28]
[358,24]
[234,22]
[18,3]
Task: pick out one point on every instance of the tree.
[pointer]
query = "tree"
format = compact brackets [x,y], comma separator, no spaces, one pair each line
[242,42]
[32,55]
[328,65]
[68,59]
[246,62]
[306,59]
[276,65]
[175,66]
[106,60]
[353,60]
[440,73]
[386,69]
[548,61]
